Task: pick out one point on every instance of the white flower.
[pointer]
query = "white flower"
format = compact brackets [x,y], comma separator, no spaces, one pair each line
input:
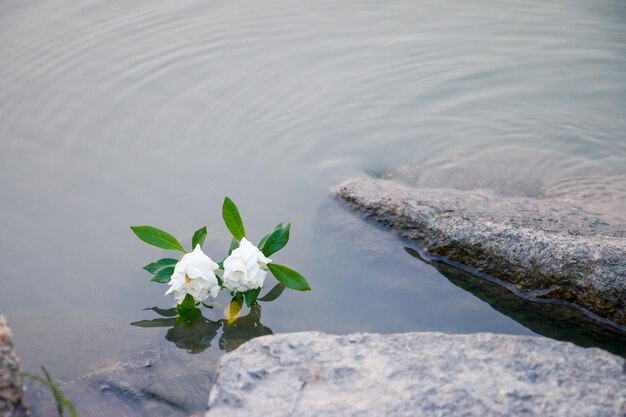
[245,268]
[194,274]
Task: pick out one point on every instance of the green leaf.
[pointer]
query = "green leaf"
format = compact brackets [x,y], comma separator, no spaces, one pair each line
[164,275]
[58,399]
[276,240]
[262,242]
[188,315]
[63,402]
[232,218]
[156,237]
[199,237]
[155,267]
[250,296]
[188,304]
[289,277]
[274,293]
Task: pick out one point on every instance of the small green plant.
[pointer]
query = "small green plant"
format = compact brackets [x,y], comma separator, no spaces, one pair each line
[61,399]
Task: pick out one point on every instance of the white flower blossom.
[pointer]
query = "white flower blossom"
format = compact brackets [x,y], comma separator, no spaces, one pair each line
[245,268]
[194,274]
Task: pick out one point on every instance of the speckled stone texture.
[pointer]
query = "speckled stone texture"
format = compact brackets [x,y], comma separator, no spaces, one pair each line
[547,248]
[417,374]
[11,393]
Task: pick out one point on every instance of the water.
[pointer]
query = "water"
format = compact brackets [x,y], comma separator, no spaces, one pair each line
[123,112]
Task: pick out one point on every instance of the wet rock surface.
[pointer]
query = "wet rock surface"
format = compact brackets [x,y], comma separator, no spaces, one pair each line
[426,374]
[547,248]
[157,382]
[12,402]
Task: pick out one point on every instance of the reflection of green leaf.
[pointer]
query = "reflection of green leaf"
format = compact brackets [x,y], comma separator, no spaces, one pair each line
[154,267]
[199,237]
[165,312]
[262,242]
[274,293]
[250,296]
[236,332]
[234,308]
[289,277]
[164,275]
[232,218]
[276,240]
[156,237]
[160,322]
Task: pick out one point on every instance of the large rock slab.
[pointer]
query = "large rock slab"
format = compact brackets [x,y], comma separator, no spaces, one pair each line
[417,374]
[547,248]
[12,402]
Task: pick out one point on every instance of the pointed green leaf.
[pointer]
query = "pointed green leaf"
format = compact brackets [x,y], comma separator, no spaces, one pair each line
[232,218]
[156,237]
[198,237]
[289,277]
[276,240]
[274,293]
[250,296]
[164,275]
[262,242]
[188,304]
[155,267]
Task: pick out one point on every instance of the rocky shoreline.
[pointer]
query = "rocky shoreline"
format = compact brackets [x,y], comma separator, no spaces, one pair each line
[12,403]
[545,248]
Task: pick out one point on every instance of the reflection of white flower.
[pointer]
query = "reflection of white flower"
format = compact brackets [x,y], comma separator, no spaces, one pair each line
[194,274]
[245,268]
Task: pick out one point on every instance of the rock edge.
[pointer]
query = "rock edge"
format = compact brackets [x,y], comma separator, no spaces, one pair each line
[538,246]
[12,403]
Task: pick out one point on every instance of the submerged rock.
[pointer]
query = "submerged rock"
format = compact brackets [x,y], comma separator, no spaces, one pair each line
[546,248]
[417,374]
[12,402]
[157,382]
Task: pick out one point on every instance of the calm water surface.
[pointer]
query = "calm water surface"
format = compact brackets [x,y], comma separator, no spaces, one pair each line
[123,112]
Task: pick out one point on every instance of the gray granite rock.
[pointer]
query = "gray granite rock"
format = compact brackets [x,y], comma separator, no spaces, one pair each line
[417,374]
[547,248]
[12,402]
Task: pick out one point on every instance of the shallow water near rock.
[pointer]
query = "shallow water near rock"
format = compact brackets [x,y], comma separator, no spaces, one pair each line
[149,112]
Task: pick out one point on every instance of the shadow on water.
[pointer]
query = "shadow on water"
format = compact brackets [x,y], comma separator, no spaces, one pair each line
[191,331]
[557,321]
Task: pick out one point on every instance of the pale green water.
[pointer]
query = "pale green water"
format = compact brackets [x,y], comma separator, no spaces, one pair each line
[115,113]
